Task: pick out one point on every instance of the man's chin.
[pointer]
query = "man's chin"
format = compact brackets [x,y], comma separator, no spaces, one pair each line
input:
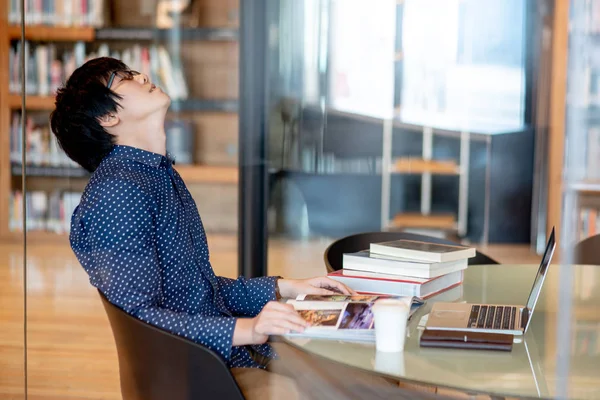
[167,101]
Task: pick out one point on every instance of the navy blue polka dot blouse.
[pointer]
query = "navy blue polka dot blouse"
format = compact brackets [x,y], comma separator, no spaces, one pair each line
[138,234]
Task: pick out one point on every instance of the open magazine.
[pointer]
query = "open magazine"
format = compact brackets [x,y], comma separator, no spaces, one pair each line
[342,317]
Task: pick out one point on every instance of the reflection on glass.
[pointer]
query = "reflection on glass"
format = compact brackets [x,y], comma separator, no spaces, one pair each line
[469,70]
[12,263]
[386,118]
[361,61]
[577,290]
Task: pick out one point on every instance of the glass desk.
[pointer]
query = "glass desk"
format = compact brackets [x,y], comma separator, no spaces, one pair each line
[529,370]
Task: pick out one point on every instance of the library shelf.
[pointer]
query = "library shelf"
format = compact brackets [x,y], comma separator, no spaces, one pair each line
[190,173]
[422,221]
[32,102]
[412,165]
[124,33]
[46,103]
[208,173]
[53,33]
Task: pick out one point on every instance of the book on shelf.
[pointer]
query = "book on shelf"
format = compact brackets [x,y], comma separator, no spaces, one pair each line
[40,144]
[342,317]
[370,282]
[367,261]
[59,12]
[48,66]
[589,222]
[46,211]
[423,251]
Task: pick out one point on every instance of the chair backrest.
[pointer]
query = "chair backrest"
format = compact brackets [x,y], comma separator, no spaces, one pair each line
[155,364]
[334,253]
[587,251]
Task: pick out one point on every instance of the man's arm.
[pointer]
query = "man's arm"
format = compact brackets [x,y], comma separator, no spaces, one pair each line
[123,264]
[247,297]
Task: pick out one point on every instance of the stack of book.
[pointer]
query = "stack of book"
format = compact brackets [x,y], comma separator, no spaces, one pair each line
[405,268]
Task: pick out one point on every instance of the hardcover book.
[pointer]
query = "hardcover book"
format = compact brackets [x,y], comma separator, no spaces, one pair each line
[367,261]
[424,251]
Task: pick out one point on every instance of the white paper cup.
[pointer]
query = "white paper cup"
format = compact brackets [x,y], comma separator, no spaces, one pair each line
[390,363]
[390,324]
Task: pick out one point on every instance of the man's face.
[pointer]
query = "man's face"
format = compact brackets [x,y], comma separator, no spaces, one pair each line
[140,97]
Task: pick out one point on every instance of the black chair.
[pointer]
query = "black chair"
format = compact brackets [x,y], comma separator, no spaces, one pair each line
[157,365]
[587,251]
[334,253]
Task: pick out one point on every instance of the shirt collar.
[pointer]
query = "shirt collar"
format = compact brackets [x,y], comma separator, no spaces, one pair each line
[140,155]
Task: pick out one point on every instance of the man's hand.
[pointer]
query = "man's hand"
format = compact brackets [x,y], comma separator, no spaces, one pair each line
[274,319]
[321,285]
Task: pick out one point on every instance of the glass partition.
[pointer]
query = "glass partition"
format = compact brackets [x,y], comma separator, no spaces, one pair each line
[12,242]
[399,116]
[575,328]
[187,49]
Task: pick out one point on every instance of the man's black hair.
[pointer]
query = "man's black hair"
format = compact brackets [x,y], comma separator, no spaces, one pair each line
[79,105]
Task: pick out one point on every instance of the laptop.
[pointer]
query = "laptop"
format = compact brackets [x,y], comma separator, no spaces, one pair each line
[493,318]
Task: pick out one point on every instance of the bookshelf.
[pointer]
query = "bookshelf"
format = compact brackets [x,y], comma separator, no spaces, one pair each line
[421,166]
[479,100]
[37,103]
[46,103]
[427,167]
[206,55]
[208,174]
[52,33]
[163,34]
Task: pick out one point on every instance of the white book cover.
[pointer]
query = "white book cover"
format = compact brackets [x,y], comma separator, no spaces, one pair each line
[373,262]
[166,72]
[424,251]
[393,274]
[103,50]
[41,57]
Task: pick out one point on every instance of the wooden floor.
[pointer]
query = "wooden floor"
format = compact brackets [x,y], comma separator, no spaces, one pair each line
[70,348]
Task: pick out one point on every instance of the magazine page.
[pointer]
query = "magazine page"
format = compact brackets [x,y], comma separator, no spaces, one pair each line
[321,301]
[338,298]
[342,312]
[336,316]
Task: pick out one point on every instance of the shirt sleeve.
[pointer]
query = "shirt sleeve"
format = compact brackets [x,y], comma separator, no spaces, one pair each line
[247,297]
[123,265]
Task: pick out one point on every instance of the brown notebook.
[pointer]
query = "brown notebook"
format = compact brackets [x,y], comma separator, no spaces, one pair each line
[466,340]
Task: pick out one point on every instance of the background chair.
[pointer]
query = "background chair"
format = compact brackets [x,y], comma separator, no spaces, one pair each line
[587,251]
[334,253]
[157,365]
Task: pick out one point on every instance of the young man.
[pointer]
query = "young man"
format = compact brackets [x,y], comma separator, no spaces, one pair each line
[138,234]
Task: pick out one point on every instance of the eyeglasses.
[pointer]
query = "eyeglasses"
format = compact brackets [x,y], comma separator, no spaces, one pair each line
[124,75]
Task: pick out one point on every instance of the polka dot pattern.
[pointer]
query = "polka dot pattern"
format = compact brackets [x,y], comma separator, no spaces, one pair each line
[138,234]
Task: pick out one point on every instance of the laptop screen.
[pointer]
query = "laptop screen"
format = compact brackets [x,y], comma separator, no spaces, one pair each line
[541,275]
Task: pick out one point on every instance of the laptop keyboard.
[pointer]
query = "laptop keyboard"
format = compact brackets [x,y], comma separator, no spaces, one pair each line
[492,317]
